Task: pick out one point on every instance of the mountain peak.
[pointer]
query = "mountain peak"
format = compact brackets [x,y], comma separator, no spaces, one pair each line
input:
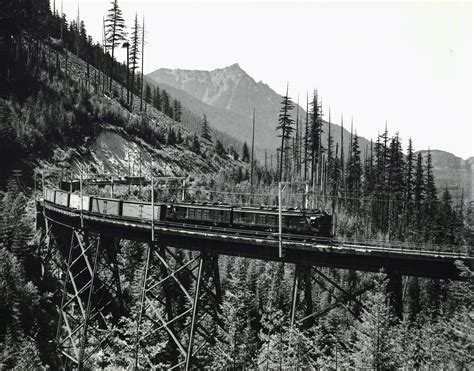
[232,70]
[234,66]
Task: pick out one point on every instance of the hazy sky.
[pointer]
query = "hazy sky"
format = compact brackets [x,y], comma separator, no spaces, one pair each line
[406,63]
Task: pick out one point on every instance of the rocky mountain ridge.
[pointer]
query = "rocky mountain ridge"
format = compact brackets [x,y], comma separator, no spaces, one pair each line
[228,96]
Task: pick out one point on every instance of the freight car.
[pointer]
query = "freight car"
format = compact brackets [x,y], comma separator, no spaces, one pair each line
[304,222]
[142,211]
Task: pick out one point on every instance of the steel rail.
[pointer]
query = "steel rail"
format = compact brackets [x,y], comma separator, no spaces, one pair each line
[260,237]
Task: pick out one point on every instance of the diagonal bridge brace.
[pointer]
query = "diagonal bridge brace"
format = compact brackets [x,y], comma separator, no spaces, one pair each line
[179,307]
[304,278]
[90,287]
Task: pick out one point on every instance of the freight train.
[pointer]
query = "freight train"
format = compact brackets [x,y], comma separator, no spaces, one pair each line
[265,218]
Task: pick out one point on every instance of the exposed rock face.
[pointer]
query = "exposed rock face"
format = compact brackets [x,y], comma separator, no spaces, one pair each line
[228,96]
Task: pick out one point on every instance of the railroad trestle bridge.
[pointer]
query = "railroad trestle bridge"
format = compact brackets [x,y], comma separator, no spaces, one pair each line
[83,247]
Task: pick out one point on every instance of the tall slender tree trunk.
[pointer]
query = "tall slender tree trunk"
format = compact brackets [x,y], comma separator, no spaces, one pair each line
[128,74]
[343,176]
[306,140]
[143,59]
[295,146]
[253,141]
[113,50]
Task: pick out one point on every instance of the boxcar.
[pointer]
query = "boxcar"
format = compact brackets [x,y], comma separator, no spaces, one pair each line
[141,210]
[62,198]
[49,195]
[75,202]
[106,206]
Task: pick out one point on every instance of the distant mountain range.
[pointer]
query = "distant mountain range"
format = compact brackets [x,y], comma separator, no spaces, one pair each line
[228,96]
[453,172]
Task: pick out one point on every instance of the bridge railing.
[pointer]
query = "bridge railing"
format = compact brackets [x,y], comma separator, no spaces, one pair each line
[460,250]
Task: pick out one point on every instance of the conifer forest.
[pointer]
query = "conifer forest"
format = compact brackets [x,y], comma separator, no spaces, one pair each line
[61,91]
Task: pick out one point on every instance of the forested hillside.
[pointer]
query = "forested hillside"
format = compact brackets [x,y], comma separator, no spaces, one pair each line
[66,105]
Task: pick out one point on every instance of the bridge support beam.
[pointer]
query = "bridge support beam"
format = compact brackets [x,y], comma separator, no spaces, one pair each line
[304,278]
[302,282]
[88,294]
[395,291]
[179,307]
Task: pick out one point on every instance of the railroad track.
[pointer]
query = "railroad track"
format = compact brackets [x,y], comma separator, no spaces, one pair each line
[269,237]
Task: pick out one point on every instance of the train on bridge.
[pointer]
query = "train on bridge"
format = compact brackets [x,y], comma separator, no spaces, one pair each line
[265,218]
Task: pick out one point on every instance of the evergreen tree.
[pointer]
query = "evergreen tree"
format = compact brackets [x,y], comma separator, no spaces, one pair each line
[171,139]
[410,172]
[134,54]
[285,128]
[457,326]
[330,153]
[430,182]
[234,153]
[409,182]
[306,140]
[354,174]
[419,192]
[315,136]
[205,130]
[238,175]
[196,146]
[396,188]
[165,103]
[83,43]
[381,152]
[233,347]
[7,226]
[19,305]
[22,233]
[433,303]
[273,322]
[148,96]
[143,61]
[431,199]
[376,344]
[369,172]
[220,150]
[177,110]
[343,173]
[414,303]
[396,169]
[179,138]
[447,220]
[245,153]
[115,31]
[157,99]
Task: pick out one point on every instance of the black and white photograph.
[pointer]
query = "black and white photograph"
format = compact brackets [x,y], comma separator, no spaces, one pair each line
[236,185]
